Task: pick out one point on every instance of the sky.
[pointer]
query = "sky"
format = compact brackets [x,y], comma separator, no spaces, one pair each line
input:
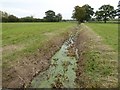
[37,8]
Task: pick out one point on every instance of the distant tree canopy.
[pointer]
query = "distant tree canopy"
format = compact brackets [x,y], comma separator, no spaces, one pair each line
[118,10]
[79,14]
[51,17]
[27,19]
[105,13]
[8,18]
[83,13]
[4,16]
[12,18]
[98,15]
[59,17]
[89,12]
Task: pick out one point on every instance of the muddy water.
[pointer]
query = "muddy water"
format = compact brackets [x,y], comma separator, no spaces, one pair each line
[61,73]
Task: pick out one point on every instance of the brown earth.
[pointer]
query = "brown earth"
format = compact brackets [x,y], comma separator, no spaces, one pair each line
[21,73]
[97,65]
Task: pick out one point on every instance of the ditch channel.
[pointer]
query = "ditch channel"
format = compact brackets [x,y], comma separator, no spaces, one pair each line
[61,73]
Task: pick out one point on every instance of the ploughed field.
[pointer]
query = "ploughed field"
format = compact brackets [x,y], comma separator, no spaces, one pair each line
[58,55]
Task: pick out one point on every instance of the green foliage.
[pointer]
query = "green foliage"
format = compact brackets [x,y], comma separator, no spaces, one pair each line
[89,12]
[4,16]
[58,17]
[79,14]
[98,15]
[51,17]
[8,18]
[83,13]
[105,13]
[118,10]
[27,19]
[12,18]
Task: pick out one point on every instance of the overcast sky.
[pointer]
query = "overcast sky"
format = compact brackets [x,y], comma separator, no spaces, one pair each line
[37,8]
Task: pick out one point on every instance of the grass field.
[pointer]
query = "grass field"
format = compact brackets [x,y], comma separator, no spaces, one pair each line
[33,44]
[102,58]
[109,32]
[20,39]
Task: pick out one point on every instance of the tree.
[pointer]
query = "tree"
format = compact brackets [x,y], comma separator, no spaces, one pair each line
[106,12]
[118,10]
[58,17]
[114,14]
[12,18]
[27,19]
[89,12]
[98,15]
[79,14]
[4,16]
[50,16]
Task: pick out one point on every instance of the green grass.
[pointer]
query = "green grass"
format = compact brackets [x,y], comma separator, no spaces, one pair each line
[109,32]
[94,66]
[19,33]
[101,64]
[25,38]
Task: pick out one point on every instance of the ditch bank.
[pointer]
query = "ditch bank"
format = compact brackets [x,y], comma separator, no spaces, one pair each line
[98,63]
[83,61]
[61,72]
[22,72]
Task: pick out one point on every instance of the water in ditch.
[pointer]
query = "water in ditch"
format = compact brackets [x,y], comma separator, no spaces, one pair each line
[61,73]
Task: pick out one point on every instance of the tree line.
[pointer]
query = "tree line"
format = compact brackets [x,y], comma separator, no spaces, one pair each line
[50,17]
[81,14]
[86,13]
